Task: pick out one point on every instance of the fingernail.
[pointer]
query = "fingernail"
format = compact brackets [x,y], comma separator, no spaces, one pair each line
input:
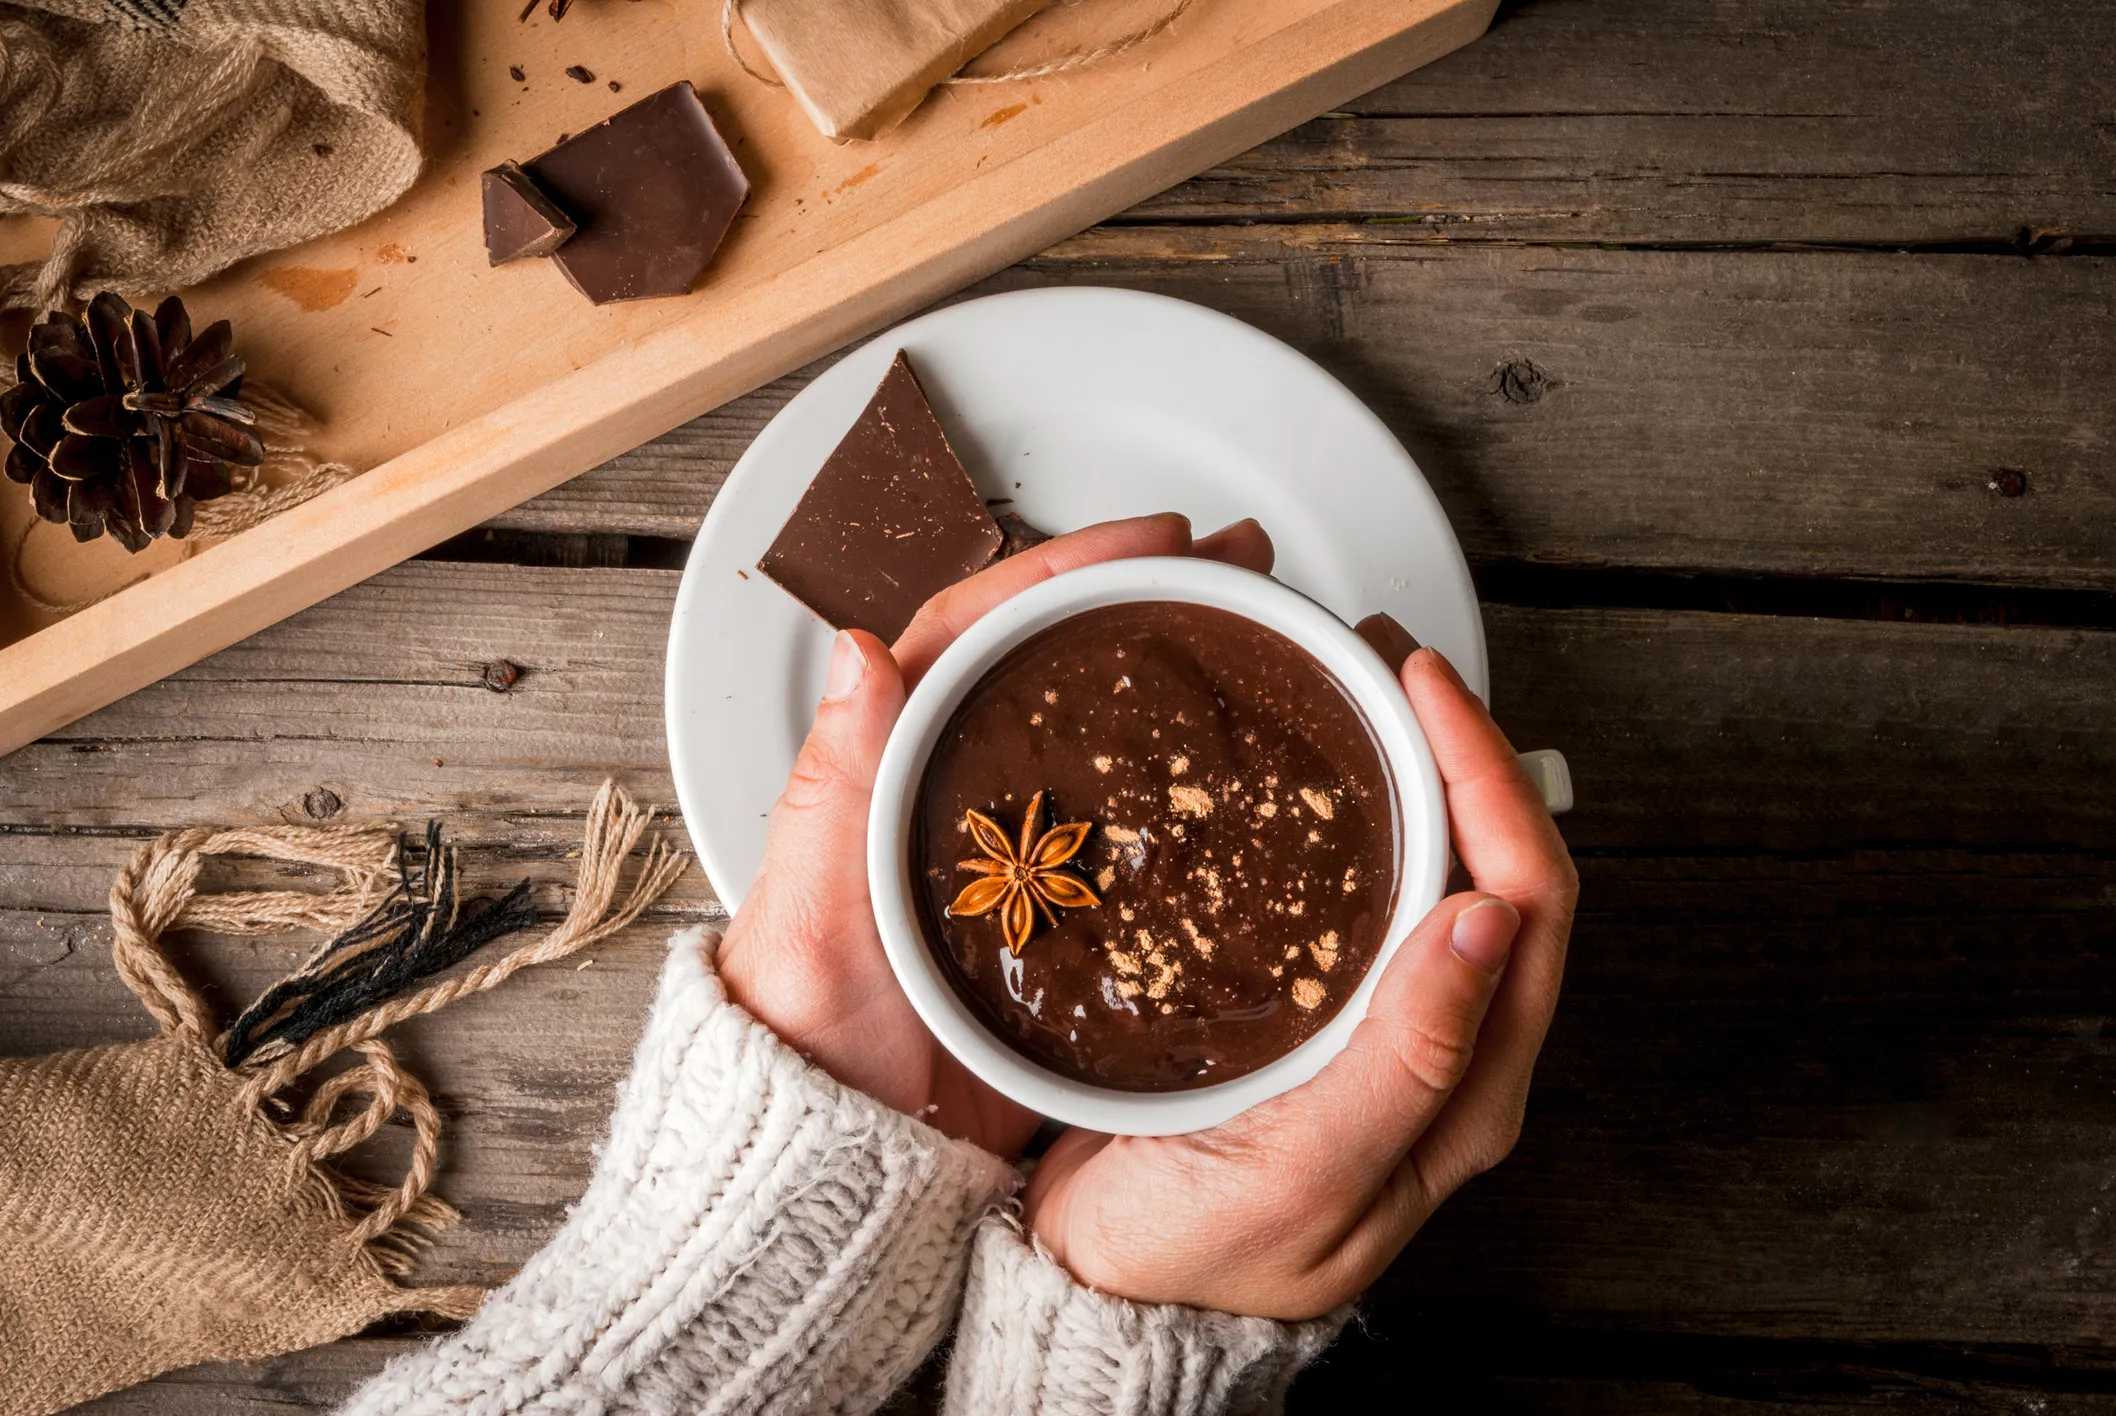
[847,667]
[1484,934]
[1445,665]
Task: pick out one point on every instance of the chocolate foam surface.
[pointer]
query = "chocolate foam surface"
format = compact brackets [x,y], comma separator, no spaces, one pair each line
[1244,845]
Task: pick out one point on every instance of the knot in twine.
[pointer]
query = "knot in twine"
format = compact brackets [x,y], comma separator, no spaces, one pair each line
[373,928]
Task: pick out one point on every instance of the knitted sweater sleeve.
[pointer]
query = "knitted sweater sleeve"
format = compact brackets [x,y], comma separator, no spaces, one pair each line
[756,1238]
[1034,1342]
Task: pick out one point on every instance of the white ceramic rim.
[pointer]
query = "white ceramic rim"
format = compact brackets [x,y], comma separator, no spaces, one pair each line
[1420,806]
[1371,536]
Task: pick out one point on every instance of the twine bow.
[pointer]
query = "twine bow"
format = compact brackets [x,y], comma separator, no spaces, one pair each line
[157,891]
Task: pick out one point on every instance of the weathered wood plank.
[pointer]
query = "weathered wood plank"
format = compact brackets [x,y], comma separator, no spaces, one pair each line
[1857,1097]
[1685,730]
[1814,413]
[1831,1055]
[1853,1099]
[378,696]
[1465,1358]
[1644,121]
[1818,413]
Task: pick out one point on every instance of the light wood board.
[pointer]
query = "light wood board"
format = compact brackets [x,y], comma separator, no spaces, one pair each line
[467,389]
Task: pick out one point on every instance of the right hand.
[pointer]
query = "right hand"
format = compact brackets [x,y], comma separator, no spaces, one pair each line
[1299,1203]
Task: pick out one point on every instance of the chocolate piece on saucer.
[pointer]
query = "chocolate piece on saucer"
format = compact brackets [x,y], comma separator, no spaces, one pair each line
[1020,536]
[1387,638]
[653,188]
[890,521]
[519,219]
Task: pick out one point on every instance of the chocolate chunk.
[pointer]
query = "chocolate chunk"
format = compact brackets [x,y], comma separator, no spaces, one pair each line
[1387,638]
[1244,845]
[519,219]
[1020,536]
[890,521]
[653,187]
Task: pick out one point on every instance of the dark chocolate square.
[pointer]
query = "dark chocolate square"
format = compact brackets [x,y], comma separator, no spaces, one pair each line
[520,219]
[654,189]
[890,521]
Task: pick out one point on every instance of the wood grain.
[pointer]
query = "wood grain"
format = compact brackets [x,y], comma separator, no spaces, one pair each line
[1784,122]
[1747,412]
[1768,410]
[1833,1021]
[1684,729]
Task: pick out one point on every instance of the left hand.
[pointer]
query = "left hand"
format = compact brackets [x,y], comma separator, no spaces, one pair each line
[802,954]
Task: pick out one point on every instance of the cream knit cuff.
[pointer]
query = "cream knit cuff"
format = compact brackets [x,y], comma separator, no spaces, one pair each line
[1032,1341]
[756,1238]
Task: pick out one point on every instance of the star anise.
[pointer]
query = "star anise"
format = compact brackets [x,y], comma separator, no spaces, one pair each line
[1018,882]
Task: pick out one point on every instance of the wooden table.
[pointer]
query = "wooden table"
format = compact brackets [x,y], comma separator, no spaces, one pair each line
[1762,352]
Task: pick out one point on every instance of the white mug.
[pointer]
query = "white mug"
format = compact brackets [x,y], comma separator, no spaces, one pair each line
[1373,686]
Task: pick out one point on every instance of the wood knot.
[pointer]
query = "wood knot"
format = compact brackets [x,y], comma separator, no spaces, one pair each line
[2009,482]
[322,804]
[501,675]
[1519,381]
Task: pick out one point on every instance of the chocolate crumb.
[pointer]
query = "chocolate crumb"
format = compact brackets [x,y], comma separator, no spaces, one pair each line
[514,72]
[580,74]
[1325,951]
[1191,801]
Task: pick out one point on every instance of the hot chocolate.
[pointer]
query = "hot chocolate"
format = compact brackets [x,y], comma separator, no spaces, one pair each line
[1156,847]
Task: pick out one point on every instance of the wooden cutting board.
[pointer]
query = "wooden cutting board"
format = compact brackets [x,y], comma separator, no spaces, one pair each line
[462,389]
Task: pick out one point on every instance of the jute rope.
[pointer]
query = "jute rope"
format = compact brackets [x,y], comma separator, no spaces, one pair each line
[158,891]
[614,828]
[1065,63]
[282,427]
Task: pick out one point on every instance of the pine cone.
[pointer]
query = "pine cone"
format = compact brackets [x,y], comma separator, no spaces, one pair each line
[123,424]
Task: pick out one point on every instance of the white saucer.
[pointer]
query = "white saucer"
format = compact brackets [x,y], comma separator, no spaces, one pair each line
[1082,404]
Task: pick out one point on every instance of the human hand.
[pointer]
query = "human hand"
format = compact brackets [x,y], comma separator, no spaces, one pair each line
[1299,1203]
[802,954]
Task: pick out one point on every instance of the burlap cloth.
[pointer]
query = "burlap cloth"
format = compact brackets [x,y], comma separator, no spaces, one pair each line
[175,137]
[159,1208]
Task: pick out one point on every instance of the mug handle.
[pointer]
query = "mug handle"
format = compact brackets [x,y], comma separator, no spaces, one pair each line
[1546,766]
[1552,774]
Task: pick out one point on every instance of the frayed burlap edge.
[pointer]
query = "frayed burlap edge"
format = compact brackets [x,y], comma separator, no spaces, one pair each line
[317,1253]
